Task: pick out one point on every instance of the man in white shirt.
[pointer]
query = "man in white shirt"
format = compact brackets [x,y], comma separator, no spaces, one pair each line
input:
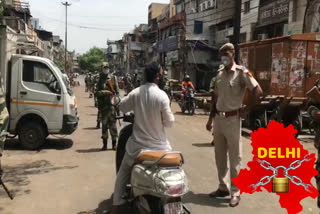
[151,107]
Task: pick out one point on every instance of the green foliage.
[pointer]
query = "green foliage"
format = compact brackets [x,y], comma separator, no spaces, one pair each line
[92,60]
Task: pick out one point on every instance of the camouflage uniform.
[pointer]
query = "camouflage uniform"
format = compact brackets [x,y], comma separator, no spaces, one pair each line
[4,121]
[107,111]
[96,80]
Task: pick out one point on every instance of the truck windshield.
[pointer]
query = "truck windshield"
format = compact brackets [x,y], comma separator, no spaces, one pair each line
[64,78]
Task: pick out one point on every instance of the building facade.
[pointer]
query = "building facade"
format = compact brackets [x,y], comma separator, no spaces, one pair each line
[171,39]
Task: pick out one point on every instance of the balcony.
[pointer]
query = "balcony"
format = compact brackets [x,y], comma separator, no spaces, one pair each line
[20,6]
[177,19]
[137,46]
[223,36]
[169,44]
[27,37]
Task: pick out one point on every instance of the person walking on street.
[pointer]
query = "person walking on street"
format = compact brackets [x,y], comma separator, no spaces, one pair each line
[151,107]
[231,83]
[107,88]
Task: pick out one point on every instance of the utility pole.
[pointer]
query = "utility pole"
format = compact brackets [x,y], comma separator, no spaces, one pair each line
[66,4]
[236,28]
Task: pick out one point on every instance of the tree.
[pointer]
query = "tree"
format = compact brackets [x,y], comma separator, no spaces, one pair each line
[92,60]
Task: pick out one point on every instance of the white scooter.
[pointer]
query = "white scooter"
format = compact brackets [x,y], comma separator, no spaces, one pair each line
[158,181]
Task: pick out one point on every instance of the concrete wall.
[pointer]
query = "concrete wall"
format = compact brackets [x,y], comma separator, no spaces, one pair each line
[211,17]
[172,8]
[249,19]
[296,16]
[198,57]
[156,9]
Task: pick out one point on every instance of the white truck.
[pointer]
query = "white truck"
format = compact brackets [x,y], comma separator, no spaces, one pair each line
[39,101]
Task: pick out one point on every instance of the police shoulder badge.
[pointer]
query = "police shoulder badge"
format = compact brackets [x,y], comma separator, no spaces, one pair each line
[250,74]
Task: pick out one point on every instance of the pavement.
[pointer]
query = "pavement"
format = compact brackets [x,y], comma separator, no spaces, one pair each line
[70,175]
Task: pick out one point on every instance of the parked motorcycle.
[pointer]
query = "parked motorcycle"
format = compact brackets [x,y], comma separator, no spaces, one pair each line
[158,181]
[188,103]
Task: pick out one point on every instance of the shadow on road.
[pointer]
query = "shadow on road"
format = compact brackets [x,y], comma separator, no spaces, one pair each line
[56,144]
[18,176]
[103,208]
[90,128]
[205,200]
[246,134]
[89,150]
[195,114]
[92,114]
[202,145]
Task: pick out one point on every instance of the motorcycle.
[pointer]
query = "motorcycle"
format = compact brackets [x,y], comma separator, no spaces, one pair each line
[188,103]
[158,181]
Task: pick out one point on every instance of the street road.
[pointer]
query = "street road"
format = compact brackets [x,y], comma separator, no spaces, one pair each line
[72,176]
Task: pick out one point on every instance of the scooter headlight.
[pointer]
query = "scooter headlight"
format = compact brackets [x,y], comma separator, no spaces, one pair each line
[160,186]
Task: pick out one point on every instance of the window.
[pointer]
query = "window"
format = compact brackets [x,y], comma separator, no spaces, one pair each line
[198,27]
[39,77]
[246,7]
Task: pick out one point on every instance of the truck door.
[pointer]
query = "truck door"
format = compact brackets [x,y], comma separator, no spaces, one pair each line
[39,91]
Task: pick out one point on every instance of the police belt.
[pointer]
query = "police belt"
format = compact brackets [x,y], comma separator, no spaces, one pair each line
[228,113]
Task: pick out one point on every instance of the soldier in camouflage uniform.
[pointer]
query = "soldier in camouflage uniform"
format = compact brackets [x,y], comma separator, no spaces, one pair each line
[4,121]
[107,88]
[96,81]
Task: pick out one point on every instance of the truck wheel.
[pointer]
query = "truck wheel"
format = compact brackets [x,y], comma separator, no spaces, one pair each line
[31,135]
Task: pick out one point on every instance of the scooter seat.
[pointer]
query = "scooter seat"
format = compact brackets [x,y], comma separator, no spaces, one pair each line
[169,160]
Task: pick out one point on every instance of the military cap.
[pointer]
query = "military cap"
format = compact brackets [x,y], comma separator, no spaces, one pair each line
[227,47]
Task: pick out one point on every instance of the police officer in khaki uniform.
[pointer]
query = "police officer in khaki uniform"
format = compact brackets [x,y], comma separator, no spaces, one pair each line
[227,110]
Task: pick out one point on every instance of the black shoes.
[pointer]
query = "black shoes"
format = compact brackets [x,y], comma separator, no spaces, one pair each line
[114,145]
[105,143]
[234,201]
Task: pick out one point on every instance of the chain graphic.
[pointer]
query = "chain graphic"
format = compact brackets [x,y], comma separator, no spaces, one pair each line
[294,179]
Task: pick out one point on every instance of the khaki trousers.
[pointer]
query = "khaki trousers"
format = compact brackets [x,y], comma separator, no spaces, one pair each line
[227,133]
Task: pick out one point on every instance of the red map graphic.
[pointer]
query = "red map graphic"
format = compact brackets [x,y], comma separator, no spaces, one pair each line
[276,136]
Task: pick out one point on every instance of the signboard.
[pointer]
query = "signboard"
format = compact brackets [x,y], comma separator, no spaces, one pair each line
[167,45]
[274,12]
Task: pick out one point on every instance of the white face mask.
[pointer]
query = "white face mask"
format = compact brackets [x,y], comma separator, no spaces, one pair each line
[225,60]
[106,71]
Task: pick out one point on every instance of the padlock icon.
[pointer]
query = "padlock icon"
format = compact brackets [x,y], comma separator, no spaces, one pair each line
[280,185]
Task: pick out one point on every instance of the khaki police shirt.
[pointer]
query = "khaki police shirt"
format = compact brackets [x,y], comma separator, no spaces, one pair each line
[230,87]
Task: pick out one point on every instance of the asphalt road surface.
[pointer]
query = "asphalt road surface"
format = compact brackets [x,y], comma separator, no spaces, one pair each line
[71,175]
